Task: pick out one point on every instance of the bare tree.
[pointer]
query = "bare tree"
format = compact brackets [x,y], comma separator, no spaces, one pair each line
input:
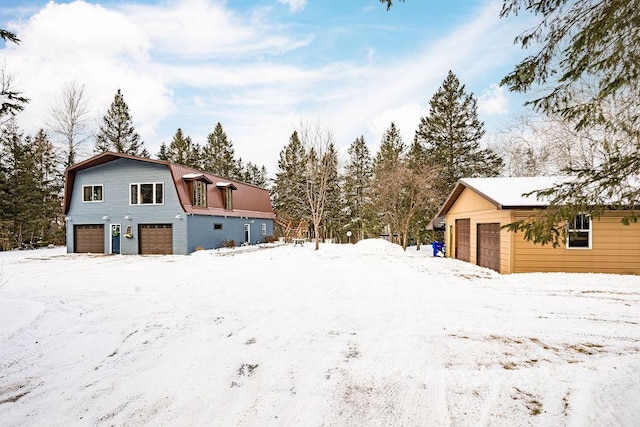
[11,102]
[68,120]
[401,193]
[315,184]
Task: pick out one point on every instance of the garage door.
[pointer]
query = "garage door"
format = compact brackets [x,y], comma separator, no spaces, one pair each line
[463,239]
[489,246]
[156,239]
[88,238]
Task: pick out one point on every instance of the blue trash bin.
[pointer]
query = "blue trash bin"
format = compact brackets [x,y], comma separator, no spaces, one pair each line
[437,247]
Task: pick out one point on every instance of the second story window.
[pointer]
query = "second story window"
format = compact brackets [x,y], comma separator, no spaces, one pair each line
[92,193]
[226,191]
[199,194]
[228,199]
[151,193]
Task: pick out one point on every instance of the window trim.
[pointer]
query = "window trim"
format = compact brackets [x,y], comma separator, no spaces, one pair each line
[92,193]
[589,232]
[139,194]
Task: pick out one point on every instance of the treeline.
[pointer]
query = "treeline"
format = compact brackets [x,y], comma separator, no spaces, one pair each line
[32,166]
[394,192]
[397,191]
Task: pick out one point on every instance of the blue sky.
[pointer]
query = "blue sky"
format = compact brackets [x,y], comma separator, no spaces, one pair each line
[262,67]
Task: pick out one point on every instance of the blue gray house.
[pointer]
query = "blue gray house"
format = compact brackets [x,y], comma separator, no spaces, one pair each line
[115,203]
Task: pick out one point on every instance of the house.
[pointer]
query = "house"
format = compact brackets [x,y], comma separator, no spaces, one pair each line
[116,203]
[476,210]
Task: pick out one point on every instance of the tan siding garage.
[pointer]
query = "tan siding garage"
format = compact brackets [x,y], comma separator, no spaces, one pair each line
[89,238]
[155,239]
[488,239]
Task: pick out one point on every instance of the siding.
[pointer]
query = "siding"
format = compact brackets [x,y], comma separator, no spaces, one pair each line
[115,177]
[479,210]
[201,232]
[615,249]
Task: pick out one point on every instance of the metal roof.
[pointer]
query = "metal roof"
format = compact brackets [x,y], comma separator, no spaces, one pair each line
[248,200]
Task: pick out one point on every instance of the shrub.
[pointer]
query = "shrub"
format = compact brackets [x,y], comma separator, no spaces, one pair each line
[270,239]
[228,243]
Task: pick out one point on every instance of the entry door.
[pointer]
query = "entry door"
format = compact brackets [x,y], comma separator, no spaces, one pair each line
[247,234]
[115,238]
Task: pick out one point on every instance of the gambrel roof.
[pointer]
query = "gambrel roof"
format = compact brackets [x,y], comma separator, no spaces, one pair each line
[248,200]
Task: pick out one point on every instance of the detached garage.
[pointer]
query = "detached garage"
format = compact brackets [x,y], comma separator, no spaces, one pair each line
[155,239]
[476,211]
[89,238]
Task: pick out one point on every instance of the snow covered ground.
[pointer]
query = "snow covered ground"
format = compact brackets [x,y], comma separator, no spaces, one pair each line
[352,335]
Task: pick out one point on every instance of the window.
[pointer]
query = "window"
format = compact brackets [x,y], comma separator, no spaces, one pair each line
[199,194]
[147,194]
[579,232]
[264,229]
[92,193]
[217,226]
[228,199]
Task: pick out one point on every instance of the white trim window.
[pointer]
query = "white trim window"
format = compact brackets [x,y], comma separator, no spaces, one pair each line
[146,193]
[579,232]
[264,229]
[92,193]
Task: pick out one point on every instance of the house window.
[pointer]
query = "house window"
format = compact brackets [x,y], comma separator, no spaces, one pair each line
[92,193]
[264,229]
[228,199]
[579,232]
[151,193]
[217,226]
[199,194]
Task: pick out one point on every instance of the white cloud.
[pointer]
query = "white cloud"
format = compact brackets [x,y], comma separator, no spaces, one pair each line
[294,5]
[493,101]
[192,63]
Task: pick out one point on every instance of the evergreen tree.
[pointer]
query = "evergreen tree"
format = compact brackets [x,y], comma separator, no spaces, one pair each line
[285,192]
[182,151]
[333,219]
[356,186]
[29,190]
[450,136]
[253,174]
[391,150]
[218,155]
[117,132]
[162,154]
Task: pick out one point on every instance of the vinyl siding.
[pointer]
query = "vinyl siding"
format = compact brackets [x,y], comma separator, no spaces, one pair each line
[202,234]
[479,210]
[615,248]
[115,176]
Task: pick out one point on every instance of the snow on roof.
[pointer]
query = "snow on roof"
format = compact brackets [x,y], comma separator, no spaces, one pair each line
[191,175]
[510,191]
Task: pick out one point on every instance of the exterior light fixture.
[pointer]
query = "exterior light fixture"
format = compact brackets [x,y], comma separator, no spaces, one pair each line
[106,217]
[178,216]
[127,217]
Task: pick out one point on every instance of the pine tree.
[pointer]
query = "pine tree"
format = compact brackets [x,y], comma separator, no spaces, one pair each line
[333,219]
[356,185]
[182,151]
[391,150]
[117,132]
[218,155]
[253,174]
[29,189]
[285,192]
[450,136]
[162,154]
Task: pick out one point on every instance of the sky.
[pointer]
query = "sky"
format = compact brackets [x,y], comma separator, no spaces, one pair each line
[262,68]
